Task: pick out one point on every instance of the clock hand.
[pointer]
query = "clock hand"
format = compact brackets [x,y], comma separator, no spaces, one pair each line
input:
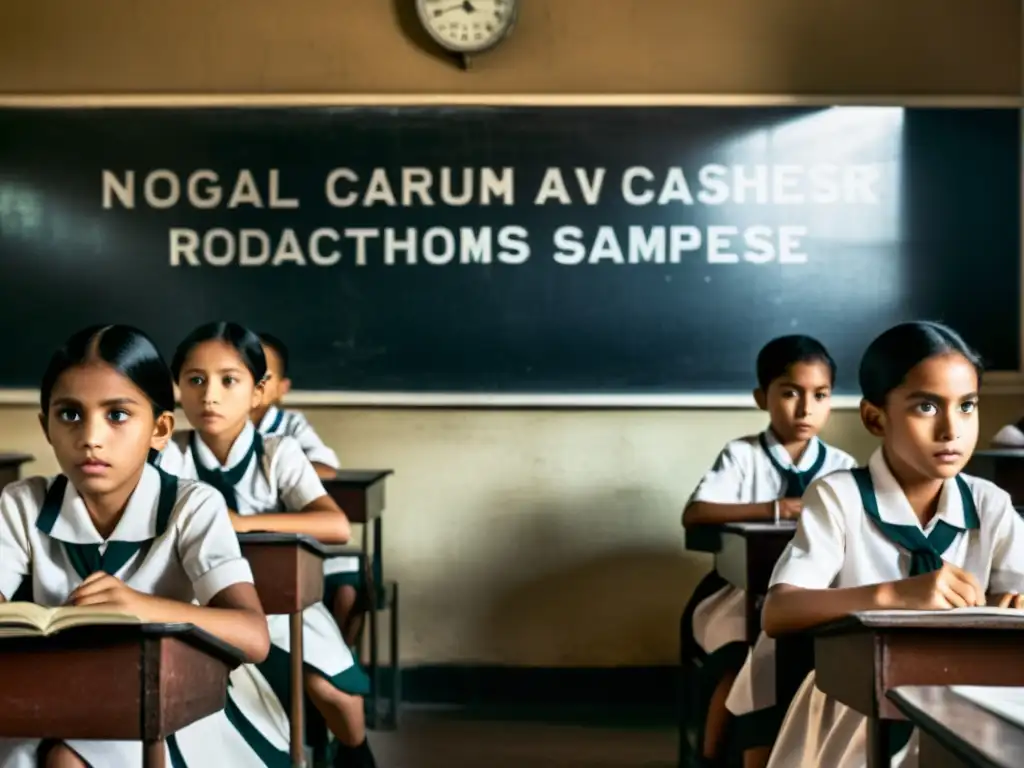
[449,9]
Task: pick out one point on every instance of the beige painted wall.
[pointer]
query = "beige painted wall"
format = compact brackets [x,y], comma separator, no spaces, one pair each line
[535,537]
[524,537]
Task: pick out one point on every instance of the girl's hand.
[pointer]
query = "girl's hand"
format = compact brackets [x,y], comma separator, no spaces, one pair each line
[789,509]
[1006,600]
[948,587]
[103,590]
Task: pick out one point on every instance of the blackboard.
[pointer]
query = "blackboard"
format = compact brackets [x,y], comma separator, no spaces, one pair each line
[844,221]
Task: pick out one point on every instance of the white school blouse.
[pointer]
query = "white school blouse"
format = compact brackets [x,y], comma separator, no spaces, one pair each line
[744,474]
[193,558]
[279,421]
[837,545]
[284,481]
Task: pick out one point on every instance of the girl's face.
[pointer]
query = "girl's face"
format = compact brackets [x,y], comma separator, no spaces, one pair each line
[930,422]
[101,427]
[217,390]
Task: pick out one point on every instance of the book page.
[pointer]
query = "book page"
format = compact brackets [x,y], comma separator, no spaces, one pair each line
[70,616]
[974,611]
[24,614]
[1007,703]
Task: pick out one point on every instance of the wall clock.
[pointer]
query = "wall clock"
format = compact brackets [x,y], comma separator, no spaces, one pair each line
[468,27]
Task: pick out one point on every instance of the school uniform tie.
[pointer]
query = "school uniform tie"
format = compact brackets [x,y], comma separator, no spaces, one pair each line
[794,483]
[276,423]
[225,480]
[86,558]
[925,555]
[925,551]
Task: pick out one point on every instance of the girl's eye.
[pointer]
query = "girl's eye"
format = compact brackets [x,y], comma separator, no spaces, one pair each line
[195,381]
[229,380]
[821,396]
[969,406]
[928,408]
[789,393]
[119,416]
[68,415]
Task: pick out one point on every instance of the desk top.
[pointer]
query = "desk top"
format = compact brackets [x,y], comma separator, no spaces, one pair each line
[297,539]
[999,453]
[359,477]
[976,736]
[708,538]
[106,634]
[17,459]
[958,618]
[781,528]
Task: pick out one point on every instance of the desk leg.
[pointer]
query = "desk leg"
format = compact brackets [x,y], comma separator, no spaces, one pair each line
[298,733]
[878,743]
[153,754]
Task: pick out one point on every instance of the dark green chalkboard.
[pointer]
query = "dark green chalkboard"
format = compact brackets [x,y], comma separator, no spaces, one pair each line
[940,240]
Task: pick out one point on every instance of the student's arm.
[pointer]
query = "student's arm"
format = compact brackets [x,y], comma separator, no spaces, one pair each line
[16,504]
[324,472]
[233,615]
[322,519]
[311,510]
[1006,581]
[800,596]
[716,499]
[221,580]
[325,461]
[710,513]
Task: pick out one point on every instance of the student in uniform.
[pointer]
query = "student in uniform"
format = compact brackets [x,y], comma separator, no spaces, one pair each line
[909,531]
[113,531]
[343,577]
[758,478]
[271,419]
[269,485]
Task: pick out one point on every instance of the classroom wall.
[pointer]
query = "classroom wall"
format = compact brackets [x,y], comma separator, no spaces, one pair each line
[547,538]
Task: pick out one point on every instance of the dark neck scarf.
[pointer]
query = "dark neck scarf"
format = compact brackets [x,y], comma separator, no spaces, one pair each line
[925,551]
[225,480]
[86,558]
[794,483]
[925,554]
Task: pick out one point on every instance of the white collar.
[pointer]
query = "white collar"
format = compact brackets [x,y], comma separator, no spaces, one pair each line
[893,506]
[239,449]
[268,419]
[138,523]
[781,455]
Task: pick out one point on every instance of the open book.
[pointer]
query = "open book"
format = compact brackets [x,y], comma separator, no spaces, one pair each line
[27,619]
[1008,703]
[972,611]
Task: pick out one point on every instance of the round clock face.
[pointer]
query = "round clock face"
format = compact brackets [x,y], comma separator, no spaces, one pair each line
[467,26]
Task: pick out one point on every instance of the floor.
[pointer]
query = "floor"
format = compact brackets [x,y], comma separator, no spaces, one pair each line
[453,738]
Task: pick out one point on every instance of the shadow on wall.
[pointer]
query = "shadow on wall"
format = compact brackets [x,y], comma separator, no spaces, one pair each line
[599,581]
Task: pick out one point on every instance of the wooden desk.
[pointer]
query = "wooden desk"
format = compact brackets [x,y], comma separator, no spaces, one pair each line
[10,466]
[1004,467]
[138,682]
[956,732]
[745,556]
[360,494]
[862,657]
[289,576]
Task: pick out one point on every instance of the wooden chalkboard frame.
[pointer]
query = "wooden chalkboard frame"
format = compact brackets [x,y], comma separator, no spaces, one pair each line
[996,382]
